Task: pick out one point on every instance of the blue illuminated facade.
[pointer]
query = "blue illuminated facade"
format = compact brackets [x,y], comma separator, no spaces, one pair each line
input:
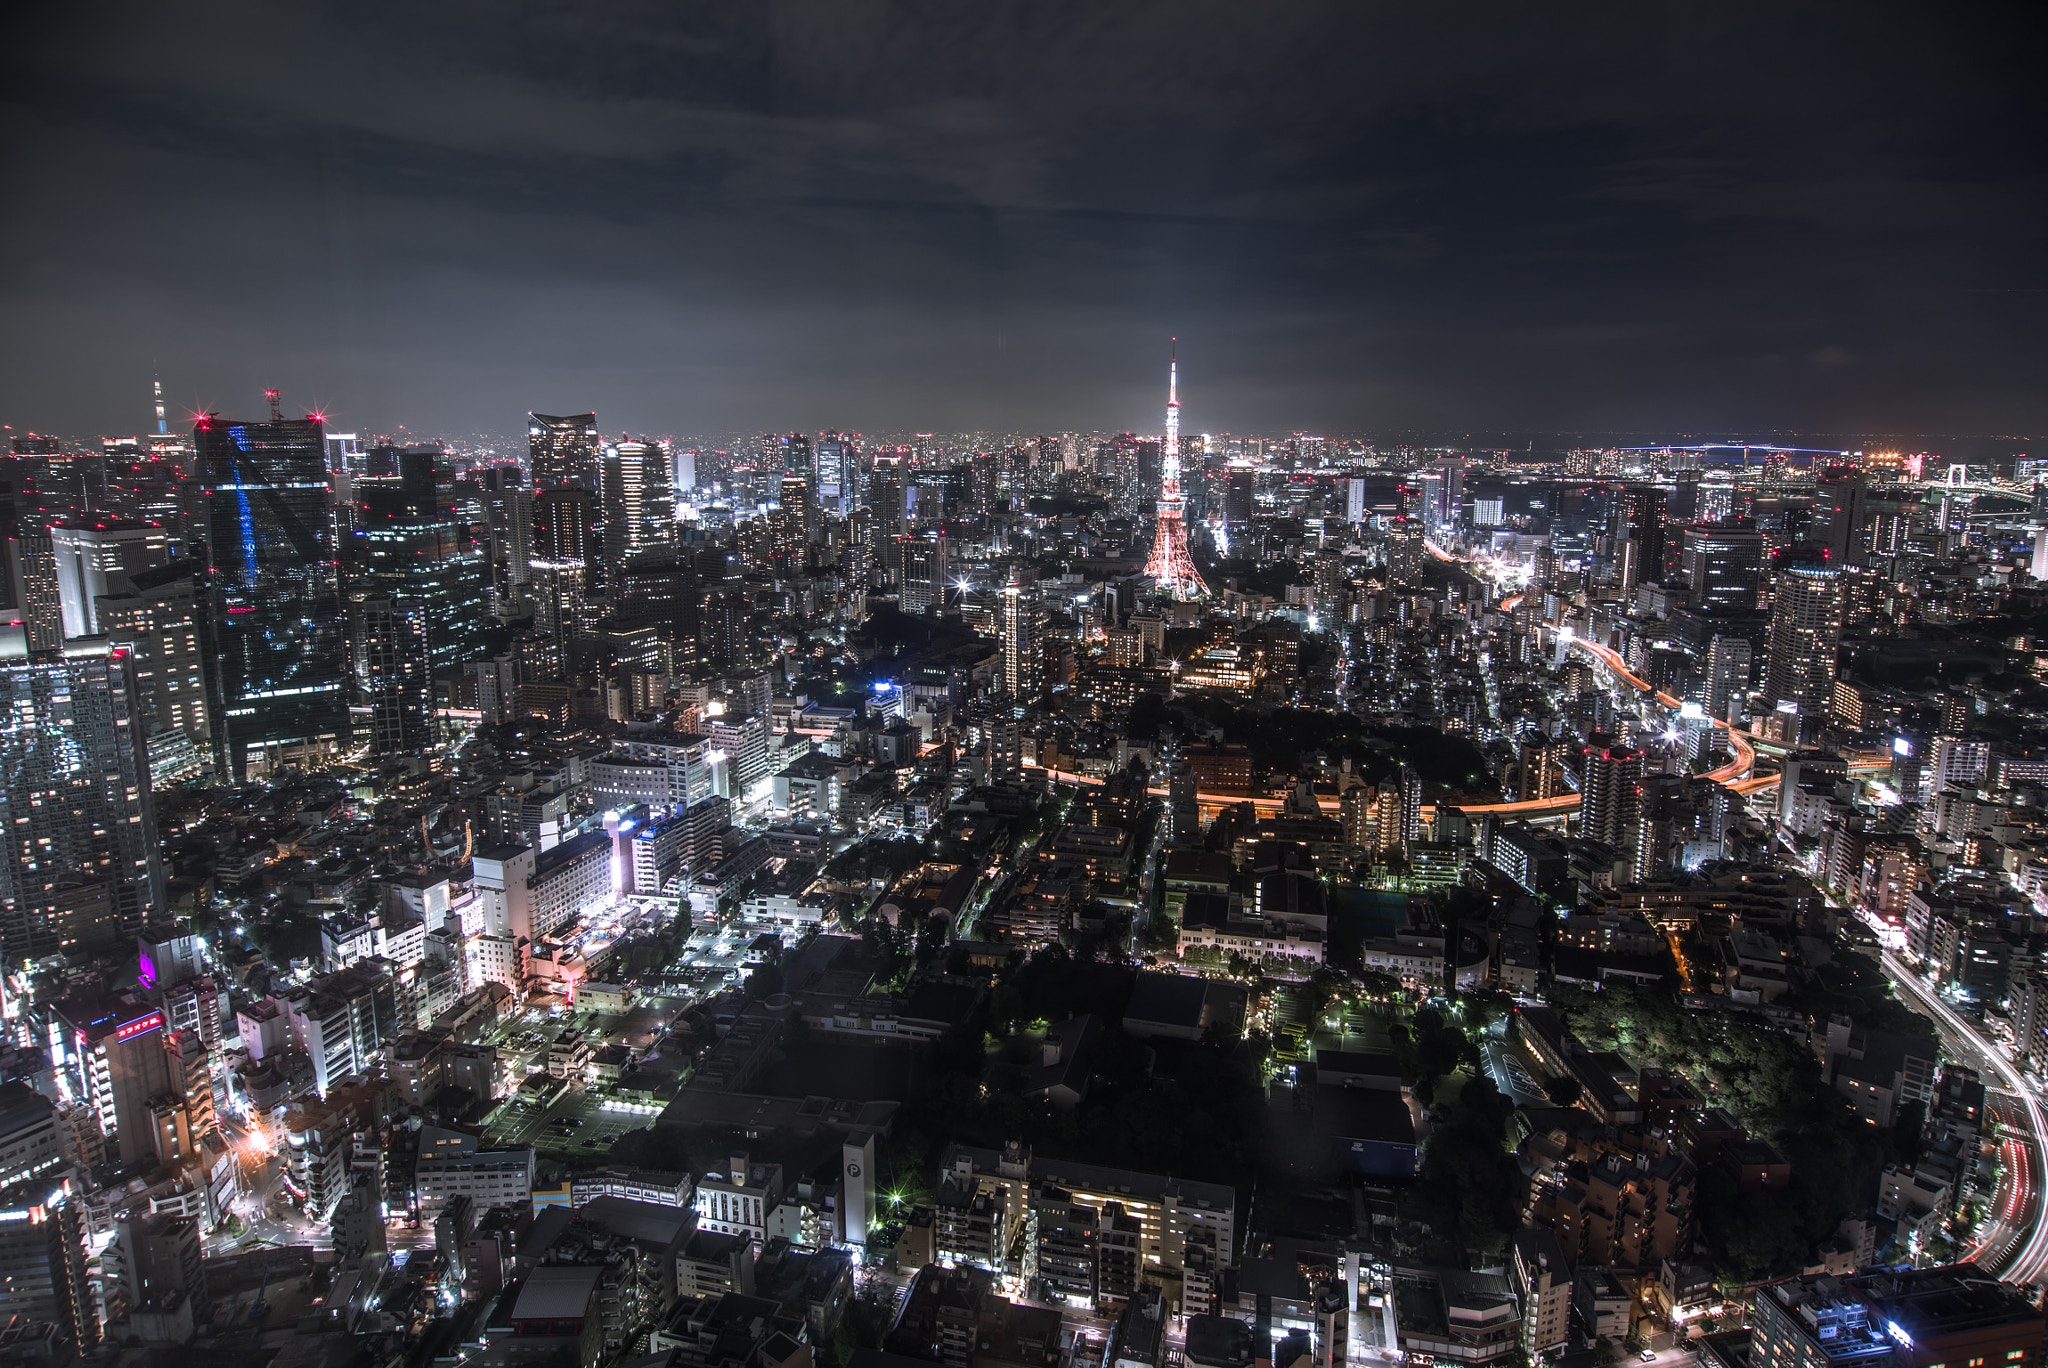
[277,642]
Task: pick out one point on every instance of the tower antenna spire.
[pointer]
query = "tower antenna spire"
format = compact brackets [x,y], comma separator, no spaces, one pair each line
[1170,568]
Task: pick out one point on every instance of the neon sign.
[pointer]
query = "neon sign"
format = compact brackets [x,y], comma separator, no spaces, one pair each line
[142,1025]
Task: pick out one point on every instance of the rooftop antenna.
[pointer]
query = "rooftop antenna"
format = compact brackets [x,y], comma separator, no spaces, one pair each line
[276,415]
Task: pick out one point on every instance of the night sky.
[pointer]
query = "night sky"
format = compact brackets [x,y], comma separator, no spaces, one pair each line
[699,218]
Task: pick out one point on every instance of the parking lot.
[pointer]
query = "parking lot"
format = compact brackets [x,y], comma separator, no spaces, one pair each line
[580,1125]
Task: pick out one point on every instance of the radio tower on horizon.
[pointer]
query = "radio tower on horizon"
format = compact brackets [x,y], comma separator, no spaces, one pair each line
[1170,568]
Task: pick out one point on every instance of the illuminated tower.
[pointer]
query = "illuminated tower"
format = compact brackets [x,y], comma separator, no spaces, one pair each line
[1169,567]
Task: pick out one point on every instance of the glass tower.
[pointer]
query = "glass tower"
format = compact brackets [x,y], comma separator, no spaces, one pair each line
[278,642]
[78,861]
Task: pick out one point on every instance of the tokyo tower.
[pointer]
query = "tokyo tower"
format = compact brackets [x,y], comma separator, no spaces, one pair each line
[1170,568]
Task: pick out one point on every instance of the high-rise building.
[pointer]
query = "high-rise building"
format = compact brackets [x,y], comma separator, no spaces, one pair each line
[927,574]
[1841,513]
[832,473]
[1542,769]
[562,450]
[1404,552]
[888,504]
[1013,632]
[278,638]
[139,1068]
[413,546]
[721,626]
[1727,674]
[157,616]
[1722,562]
[42,1261]
[1640,536]
[1239,481]
[508,518]
[1807,611]
[794,455]
[79,860]
[637,497]
[94,557]
[789,524]
[394,673]
[31,1135]
[566,544]
[1612,794]
[32,561]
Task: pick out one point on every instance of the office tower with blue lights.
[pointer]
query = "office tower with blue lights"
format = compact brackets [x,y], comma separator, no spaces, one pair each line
[278,638]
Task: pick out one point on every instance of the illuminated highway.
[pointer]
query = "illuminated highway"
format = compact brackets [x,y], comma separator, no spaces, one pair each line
[2020,1206]
[2005,1224]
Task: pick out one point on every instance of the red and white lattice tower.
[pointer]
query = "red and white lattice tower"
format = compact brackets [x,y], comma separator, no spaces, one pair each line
[1170,568]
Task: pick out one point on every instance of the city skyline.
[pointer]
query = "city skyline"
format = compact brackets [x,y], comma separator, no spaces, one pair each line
[631,736]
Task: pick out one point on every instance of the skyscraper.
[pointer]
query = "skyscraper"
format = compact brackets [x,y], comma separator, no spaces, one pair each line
[1727,674]
[1807,611]
[832,471]
[1013,632]
[94,556]
[394,675]
[638,500]
[1841,513]
[1612,803]
[157,616]
[419,597]
[1170,568]
[887,496]
[789,524]
[42,1260]
[566,542]
[1722,563]
[274,612]
[562,450]
[1641,552]
[33,561]
[1404,551]
[78,860]
[508,517]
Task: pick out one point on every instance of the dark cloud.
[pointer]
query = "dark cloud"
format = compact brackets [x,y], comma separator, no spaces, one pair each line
[892,215]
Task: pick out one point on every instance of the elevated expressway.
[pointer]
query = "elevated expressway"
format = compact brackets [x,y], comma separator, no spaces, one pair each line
[1736,772]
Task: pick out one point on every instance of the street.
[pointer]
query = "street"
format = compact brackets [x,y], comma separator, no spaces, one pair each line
[2018,1204]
